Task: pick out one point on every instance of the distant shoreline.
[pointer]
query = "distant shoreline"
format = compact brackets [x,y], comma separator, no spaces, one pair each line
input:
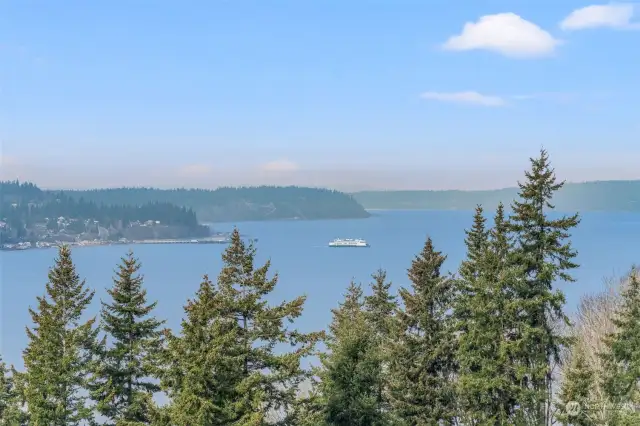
[73,244]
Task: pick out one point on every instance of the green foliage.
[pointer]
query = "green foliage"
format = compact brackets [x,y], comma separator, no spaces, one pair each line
[130,354]
[11,413]
[380,308]
[24,205]
[476,241]
[622,359]
[486,391]
[200,368]
[224,368]
[351,373]
[611,195]
[59,353]
[381,305]
[576,388]
[423,356]
[239,204]
[545,256]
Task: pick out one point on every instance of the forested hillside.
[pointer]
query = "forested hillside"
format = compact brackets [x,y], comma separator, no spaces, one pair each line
[28,213]
[240,204]
[588,196]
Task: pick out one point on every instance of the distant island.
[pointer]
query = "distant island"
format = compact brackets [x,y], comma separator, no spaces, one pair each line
[31,217]
[622,196]
[239,204]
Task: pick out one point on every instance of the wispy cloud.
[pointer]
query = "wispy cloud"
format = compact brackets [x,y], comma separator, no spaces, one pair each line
[612,15]
[476,98]
[504,33]
[560,97]
[471,98]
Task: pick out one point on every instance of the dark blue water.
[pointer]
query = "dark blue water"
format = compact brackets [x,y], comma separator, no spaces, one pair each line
[608,244]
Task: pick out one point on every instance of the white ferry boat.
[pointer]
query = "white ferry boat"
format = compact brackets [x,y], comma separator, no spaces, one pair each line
[348,242]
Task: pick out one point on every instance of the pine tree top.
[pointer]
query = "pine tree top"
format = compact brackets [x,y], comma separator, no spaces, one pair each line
[425,269]
[476,241]
[427,302]
[349,308]
[122,387]
[61,349]
[381,304]
[530,224]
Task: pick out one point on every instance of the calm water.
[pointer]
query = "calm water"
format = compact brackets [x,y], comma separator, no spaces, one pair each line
[608,244]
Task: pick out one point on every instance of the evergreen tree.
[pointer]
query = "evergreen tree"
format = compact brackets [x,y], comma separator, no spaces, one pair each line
[576,388]
[485,391]
[122,387]
[622,359]
[423,357]
[544,254]
[500,241]
[200,373]
[380,308]
[11,413]
[381,304]
[351,368]
[243,380]
[476,241]
[60,349]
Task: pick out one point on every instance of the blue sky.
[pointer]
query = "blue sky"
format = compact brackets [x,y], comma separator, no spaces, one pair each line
[203,93]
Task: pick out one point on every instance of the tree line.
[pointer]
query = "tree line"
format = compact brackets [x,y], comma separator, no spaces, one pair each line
[22,212]
[227,204]
[488,345]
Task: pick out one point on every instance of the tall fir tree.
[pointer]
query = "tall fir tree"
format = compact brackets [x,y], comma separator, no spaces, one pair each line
[542,250]
[11,413]
[200,371]
[126,373]
[576,388]
[244,380]
[351,369]
[476,242]
[423,356]
[60,351]
[500,241]
[380,307]
[622,358]
[483,382]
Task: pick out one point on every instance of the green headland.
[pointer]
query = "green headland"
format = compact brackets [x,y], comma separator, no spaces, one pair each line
[623,196]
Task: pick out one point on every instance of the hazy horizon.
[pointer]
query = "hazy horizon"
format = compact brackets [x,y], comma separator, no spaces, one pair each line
[356,179]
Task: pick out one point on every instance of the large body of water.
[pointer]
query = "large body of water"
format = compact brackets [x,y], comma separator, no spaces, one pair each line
[608,244]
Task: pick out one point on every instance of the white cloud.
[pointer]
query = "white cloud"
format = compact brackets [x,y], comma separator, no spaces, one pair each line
[546,96]
[280,166]
[465,98]
[613,15]
[504,33]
